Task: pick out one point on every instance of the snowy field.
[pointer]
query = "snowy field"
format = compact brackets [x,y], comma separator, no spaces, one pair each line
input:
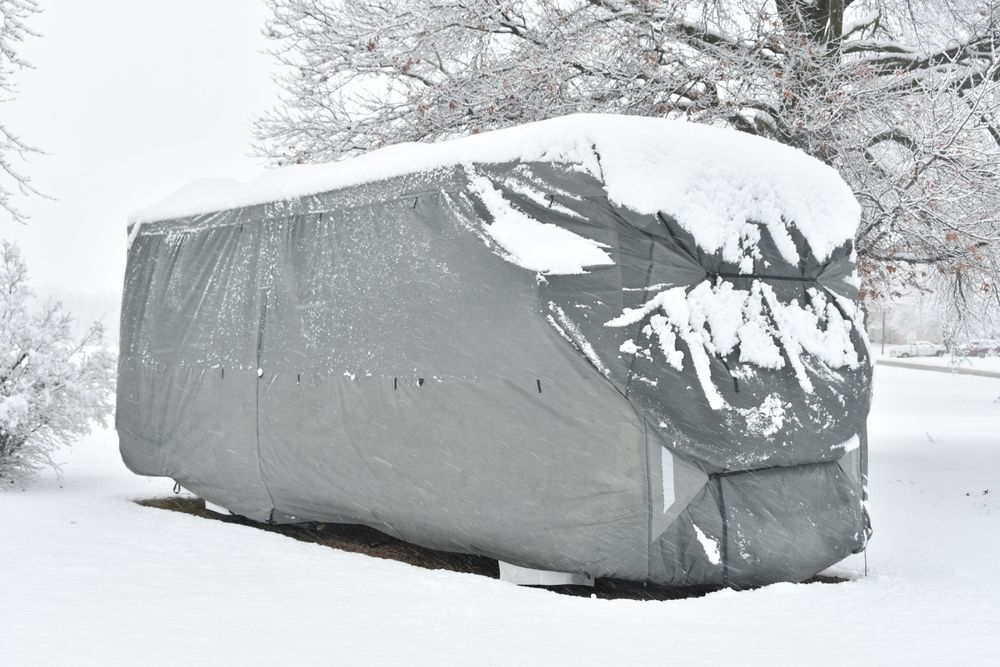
[988,364]
[88,577]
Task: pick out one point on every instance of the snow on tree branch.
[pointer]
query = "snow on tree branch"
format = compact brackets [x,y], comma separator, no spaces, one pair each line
[14,30]
[53,388]
[900,96]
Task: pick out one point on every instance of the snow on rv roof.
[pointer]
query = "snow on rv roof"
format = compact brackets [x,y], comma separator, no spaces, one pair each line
[711,180]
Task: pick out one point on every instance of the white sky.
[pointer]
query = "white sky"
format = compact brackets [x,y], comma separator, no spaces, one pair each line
[131,99]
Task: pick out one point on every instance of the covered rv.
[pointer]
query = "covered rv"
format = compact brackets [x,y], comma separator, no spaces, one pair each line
[615,346]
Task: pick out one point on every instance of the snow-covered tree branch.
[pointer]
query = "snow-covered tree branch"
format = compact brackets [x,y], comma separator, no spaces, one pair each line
[14,16]
[53,388]
[901,96]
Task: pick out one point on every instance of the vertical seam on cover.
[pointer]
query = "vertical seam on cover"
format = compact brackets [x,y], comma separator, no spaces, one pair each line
[725,534]
[645,291]
[260,465]
[649,497]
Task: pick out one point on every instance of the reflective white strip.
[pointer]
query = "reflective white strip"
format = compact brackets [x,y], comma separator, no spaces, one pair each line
[667,467]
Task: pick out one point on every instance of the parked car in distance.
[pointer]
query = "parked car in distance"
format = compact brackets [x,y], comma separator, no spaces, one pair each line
[979,347]
[920,348]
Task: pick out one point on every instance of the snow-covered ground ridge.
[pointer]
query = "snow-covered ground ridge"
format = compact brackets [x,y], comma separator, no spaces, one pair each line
[947,361]
[713,181]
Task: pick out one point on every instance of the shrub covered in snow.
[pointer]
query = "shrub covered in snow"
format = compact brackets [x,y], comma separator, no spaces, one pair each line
[52,386]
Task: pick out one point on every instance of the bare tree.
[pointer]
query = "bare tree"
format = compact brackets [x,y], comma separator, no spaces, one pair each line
[14,15]
[901,96]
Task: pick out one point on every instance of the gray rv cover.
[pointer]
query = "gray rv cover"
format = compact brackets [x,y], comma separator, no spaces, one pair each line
[595,344]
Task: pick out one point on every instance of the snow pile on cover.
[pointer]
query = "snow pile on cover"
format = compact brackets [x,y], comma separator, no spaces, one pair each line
[568,329]
[711,180]
[534,245]
[717,319]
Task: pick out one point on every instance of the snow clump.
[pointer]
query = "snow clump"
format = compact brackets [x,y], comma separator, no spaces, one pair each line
[717,319]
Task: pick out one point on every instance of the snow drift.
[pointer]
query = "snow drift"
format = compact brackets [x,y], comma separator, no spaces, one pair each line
[609,345]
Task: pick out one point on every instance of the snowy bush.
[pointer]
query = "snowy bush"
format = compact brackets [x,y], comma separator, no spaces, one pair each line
[53,388]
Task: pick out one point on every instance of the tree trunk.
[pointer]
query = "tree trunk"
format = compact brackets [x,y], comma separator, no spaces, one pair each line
[820,21]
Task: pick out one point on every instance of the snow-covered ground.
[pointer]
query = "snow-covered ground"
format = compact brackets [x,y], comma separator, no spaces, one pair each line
[88,577]
[989,364]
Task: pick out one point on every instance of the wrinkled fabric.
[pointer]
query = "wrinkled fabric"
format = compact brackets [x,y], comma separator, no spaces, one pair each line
[365,356]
